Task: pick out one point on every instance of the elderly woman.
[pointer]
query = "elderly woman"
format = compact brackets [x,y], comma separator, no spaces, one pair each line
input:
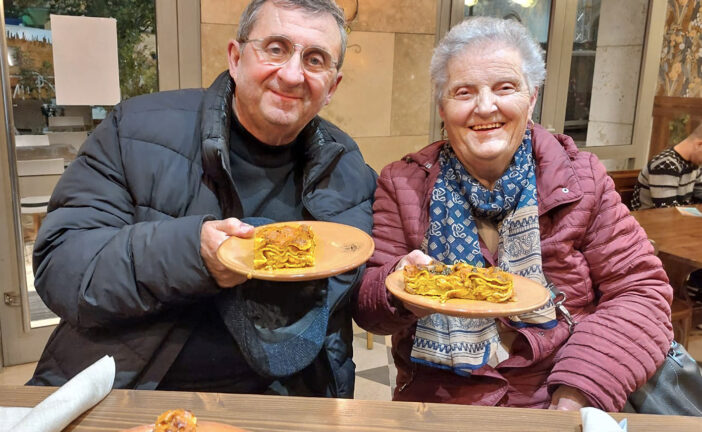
[486,195]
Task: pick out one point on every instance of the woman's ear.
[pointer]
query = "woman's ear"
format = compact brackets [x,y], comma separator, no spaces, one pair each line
[532,101]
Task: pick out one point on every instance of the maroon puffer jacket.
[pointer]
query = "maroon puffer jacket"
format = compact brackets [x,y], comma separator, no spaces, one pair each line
[592,250]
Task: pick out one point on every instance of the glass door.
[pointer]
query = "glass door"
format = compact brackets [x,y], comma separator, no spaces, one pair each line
[41,137]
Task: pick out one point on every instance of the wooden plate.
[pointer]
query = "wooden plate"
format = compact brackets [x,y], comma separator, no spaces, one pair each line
[339,248]
[202,426]
[529,296]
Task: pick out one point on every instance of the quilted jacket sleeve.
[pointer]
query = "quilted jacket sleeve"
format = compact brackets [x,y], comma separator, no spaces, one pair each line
[94,264]
[618,347]
[374,308]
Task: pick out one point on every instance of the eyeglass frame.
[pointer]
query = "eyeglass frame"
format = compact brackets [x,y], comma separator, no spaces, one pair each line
[334,63]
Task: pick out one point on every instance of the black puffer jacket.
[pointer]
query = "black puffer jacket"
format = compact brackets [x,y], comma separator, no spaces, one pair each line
[118,255]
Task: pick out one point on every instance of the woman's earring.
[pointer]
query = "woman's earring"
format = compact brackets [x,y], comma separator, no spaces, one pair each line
[530,124]
[444,135]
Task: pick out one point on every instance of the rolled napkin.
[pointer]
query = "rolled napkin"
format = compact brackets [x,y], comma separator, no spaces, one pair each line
[596,420]
[65,404]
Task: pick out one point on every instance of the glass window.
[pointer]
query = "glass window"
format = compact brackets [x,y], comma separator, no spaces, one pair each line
[47,135]
[582,68]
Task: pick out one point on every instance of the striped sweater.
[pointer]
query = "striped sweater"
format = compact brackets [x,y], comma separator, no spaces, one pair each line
[668,181]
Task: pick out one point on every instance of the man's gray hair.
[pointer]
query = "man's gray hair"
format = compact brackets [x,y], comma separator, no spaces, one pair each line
[250,15]
[487,31]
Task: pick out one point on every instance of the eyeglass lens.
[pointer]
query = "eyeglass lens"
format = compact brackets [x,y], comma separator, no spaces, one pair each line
[277,50]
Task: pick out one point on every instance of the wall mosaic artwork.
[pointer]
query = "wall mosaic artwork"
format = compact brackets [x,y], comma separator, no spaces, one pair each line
[680,73]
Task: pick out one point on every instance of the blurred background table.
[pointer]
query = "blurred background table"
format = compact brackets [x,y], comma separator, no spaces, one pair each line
[123,409]
[678,238]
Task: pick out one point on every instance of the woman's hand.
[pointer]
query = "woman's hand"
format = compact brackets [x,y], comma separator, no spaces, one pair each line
[212,234]
[567,398]
[416,257]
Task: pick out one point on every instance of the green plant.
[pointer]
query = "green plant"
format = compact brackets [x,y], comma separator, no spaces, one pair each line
[136,19]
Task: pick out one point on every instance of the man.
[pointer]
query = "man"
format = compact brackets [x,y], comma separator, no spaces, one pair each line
[673,177]
[126,255]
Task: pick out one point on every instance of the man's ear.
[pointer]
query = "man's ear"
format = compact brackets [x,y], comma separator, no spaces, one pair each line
[233,57]
[333,87]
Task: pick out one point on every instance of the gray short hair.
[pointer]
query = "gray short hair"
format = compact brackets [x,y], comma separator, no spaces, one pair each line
[250,14]
[487,30]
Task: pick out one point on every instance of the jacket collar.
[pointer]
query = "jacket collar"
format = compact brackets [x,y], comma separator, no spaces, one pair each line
[556,179]
[215,117]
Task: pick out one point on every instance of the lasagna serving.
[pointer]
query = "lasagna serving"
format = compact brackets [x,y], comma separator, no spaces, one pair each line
[283,246]
[461,281]
[178,420]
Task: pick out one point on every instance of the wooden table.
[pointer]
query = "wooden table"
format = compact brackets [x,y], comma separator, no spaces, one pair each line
[123,409]
[678,238]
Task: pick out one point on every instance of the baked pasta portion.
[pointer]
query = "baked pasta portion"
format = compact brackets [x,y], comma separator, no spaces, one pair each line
[177,420]
[461,280]
[283,246]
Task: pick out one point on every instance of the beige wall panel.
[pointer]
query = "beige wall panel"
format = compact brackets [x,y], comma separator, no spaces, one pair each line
[222,11]
[380,151]
[411,95]
[214,50]
[361,105]
[615,83]
[396,16]
[622,22]
[608,134]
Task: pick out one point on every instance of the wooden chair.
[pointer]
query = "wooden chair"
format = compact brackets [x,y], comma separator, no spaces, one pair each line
[624,182]
[681,308]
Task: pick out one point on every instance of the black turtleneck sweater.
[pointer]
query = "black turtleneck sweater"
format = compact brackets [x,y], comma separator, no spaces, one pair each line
[268,180]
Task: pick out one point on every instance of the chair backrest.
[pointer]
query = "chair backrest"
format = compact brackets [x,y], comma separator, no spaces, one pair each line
[624,182]
[38,177]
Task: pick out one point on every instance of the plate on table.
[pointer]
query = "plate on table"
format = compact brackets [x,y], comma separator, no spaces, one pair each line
[202,426]
[339,248]
[528,296]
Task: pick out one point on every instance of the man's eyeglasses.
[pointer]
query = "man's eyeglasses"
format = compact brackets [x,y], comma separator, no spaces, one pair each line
[278,50]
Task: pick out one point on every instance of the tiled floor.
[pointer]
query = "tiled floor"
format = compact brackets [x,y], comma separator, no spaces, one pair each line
[375,370]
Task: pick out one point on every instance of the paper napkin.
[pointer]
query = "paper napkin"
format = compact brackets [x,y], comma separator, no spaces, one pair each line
[64,405]
[595,420]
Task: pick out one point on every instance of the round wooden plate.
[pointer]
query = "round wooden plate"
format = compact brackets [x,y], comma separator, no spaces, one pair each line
[529,296]
[339,248]
[202,426]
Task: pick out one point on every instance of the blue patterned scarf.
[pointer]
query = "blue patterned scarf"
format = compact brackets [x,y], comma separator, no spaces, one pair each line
[463,344]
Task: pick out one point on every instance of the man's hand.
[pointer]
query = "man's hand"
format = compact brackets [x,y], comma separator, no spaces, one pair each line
[567,399]
[416,257]
[212,235]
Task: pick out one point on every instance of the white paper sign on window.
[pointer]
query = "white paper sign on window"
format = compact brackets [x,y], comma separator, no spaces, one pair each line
[86,70]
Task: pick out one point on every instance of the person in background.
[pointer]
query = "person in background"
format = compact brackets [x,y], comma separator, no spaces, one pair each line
[673,178]
[501,191]
[127,254]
